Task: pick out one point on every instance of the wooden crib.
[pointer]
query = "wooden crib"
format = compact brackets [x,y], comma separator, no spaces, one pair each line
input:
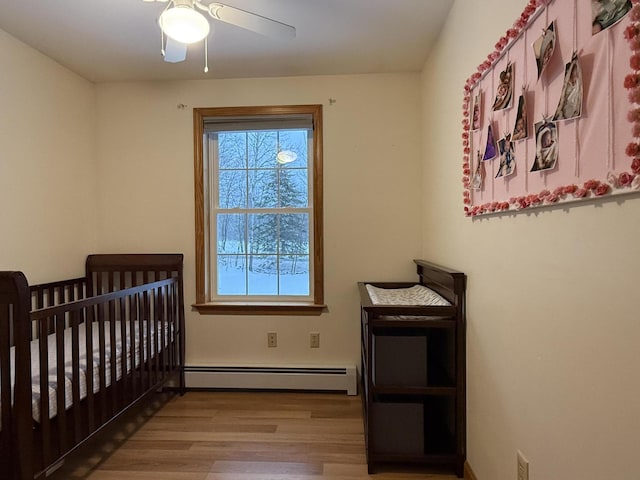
[76,354]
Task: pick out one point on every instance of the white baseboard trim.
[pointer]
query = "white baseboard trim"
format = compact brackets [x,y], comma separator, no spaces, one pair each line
[273,378]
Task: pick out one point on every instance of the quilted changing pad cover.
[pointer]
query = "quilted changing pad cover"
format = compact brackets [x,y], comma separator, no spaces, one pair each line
[415,295]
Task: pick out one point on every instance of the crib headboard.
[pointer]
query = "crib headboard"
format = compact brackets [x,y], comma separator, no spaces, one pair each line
[109,272]
[116,271]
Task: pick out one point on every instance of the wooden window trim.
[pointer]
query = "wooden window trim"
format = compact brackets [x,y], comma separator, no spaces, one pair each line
[203,303]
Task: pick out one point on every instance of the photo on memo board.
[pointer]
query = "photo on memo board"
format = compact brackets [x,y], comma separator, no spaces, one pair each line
[520,130]
[476,111]
[605,13]
[504,92]
[477,180]
[570,104]
[507,157]
[546,146]
[544,47]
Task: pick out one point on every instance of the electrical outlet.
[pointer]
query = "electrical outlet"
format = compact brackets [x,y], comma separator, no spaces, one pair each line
[523,467]
[272,339]
[314,340]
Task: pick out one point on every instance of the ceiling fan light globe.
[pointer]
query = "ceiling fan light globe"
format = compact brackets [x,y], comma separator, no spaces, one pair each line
[286,156]
[184,24]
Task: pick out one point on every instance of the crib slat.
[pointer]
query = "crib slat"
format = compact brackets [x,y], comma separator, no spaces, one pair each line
[160,333]
[99,284]
[126,386]
[174,326]
[45,424]
[88,422]
[61,417]
[102,392]
[113,356]
[166,324]
[113,286]
[144,354]
[164,331]
[40,299]
[154,336]
[133,319]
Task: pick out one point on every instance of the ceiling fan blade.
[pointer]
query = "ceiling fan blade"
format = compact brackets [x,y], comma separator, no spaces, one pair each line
[250,21]
[174,51]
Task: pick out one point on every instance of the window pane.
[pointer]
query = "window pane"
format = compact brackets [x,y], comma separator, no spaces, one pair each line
[232,189]
[262,188]
[231,234]
[232,150]
[294,233]
[294,275]
[262,149]
[232,274]
[263,275]
[263,233]
[294,188]
[296,141]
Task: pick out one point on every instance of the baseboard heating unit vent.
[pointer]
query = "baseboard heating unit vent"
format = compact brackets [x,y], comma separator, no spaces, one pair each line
[274,378]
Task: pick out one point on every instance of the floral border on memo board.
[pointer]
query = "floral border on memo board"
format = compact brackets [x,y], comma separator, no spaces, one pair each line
[590,188]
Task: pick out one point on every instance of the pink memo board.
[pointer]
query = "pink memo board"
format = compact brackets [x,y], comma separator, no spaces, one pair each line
[598,153]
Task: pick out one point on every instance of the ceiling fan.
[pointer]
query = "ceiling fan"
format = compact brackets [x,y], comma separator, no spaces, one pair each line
[183,24]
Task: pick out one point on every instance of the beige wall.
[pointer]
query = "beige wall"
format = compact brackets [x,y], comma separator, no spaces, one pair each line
[47,169]
[553,326]
[372,204]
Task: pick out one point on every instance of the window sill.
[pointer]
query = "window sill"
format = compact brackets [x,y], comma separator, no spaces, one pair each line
[246,308]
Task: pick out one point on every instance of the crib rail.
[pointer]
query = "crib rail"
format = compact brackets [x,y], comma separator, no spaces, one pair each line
[56,293]
[142,321]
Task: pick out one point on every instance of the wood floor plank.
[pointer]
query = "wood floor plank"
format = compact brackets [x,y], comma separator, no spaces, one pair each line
[236,436]
[228,427]
[282,468]
[347,438]
[117,475]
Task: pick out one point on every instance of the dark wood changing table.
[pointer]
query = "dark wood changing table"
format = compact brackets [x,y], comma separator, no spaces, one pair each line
[413,374]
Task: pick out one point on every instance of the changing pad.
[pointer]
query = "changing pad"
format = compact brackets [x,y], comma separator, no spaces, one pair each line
[415,295]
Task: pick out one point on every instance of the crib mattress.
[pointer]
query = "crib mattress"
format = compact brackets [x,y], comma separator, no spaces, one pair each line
[83,369]
[415,295]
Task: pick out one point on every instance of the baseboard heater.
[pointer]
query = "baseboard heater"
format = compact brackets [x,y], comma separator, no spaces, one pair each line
[273,378]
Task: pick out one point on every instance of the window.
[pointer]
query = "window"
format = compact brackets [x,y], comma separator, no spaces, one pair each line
[258,187]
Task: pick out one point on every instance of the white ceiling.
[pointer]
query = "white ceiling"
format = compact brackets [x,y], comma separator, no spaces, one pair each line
[119,40]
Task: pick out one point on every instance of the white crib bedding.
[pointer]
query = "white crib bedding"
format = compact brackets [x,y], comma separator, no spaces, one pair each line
[415,295]
[68,373]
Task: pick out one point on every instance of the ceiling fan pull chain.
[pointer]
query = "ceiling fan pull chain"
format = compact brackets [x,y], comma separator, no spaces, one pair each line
[206,55]
[162,43]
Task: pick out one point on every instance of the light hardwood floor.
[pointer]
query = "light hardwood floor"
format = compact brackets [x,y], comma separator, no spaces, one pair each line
[235,436]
